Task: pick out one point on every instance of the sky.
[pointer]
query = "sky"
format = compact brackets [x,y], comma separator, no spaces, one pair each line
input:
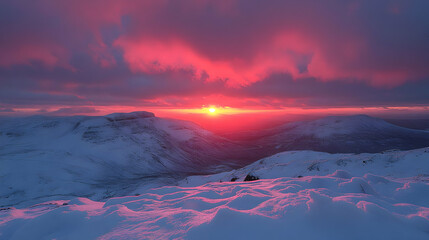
[179,58]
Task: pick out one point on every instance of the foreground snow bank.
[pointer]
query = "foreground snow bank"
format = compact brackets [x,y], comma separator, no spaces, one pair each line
[300,195]
[335,206]
[396,164]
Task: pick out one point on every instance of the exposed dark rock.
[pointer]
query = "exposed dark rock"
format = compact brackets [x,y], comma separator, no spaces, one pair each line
[234,179]
[250,178]
[314,167]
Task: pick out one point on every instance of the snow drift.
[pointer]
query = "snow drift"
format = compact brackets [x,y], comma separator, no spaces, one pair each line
[347,196]
[413,164]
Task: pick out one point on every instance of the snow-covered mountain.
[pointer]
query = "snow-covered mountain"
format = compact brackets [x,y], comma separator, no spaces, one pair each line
[300,195]
[61,157]
[127,176]
[339,134]
[45,158]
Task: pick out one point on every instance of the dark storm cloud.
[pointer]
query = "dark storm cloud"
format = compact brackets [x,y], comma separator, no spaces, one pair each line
[310,92]
[273,53]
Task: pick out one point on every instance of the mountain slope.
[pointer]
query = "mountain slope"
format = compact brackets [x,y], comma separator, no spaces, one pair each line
[412,165]
[99,157]
[43,158]
[341,134]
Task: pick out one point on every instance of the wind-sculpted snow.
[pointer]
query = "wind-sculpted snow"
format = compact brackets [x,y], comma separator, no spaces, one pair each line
[412,164]
[335,206]
[299,195]
[99,157]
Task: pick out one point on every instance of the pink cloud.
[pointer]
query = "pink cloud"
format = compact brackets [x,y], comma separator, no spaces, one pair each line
[248,52]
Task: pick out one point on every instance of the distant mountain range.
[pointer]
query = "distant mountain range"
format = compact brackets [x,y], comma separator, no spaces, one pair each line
[337,134]
[43,158]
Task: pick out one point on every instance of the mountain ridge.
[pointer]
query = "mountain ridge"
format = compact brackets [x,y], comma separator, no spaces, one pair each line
[104,156]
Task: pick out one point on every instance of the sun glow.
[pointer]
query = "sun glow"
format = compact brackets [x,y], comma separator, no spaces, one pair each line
[212,110]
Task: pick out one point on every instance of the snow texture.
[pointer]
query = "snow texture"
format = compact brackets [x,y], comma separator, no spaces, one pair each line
[300,195]
[47,158]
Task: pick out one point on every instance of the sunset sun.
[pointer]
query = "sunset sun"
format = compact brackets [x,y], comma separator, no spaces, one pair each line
[212,110]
